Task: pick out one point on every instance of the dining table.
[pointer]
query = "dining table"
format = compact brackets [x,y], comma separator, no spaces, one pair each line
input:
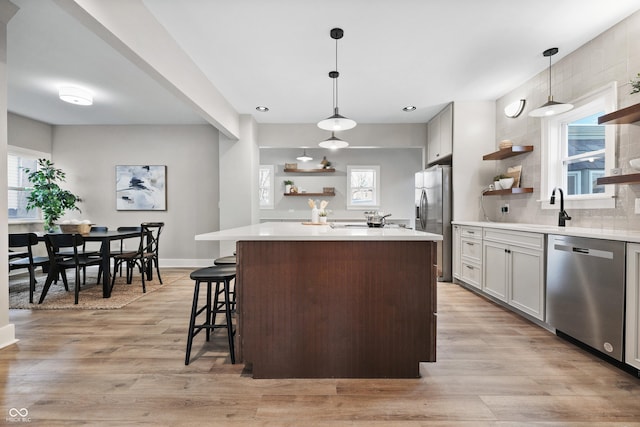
[105,238]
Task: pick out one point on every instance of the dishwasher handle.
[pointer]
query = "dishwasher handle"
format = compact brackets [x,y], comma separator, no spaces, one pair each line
[581,250]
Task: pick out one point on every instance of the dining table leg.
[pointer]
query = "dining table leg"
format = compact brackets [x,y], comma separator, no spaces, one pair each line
[106,268]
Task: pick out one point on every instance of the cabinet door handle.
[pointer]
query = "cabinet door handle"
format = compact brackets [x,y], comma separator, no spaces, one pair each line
[469,267]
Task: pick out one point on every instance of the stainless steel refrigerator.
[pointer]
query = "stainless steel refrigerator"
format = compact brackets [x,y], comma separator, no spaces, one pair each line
[433,212]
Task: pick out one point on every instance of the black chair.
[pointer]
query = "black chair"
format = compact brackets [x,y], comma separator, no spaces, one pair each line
[145,257]
[222,276]
[25,258]
[122,249]
[229,260]
[60,263]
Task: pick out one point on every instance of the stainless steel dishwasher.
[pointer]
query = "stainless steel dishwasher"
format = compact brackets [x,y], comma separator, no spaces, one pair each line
[585,291]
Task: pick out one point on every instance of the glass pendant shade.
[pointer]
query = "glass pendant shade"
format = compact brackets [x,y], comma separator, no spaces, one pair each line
[550,108]
[333,143]
[304,157]
[336,122]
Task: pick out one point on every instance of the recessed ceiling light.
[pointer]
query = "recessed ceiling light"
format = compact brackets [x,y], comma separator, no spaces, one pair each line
[75,95]
[262,108]
[409,108]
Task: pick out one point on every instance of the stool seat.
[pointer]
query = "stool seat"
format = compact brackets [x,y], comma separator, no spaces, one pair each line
[214,271]
[225,260]
[221,276]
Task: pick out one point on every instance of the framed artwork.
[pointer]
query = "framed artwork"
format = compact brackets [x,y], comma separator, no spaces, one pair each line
[141,188]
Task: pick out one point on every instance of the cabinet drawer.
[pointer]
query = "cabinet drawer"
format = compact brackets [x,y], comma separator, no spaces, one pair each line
[471,249]
[517,238]
[472,274]
[471,232]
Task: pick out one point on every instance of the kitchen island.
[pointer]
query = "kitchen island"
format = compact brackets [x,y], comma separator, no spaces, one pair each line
[314,301]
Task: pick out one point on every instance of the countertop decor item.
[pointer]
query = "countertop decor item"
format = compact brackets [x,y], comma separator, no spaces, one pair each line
[551,107]
[47,195]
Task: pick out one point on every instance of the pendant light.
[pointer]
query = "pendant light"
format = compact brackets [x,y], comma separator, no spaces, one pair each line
[304,157]
[336,122]
[333,143]
[551,107]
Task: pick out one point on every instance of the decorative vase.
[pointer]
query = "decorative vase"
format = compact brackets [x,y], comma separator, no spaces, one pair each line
[287,188]
[315,215]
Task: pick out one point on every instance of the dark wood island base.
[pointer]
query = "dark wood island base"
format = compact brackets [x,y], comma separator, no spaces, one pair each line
[336,309]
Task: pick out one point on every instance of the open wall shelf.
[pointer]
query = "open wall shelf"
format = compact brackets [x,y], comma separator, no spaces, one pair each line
[310,194]
[508,152]
[625,116]
[309,170]
[518,190]
[632,178]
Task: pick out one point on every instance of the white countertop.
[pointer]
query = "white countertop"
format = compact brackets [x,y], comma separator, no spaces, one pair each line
[299,231]
[595,233]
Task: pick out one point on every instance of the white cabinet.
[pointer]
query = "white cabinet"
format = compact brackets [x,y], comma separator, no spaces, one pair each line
[632,320]
[440,135]
[470,251]
[457,242]
[513,265]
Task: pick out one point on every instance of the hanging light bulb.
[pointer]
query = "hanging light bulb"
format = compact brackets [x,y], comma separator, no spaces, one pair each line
[333,143]
[551,107]
[304,157]
[336,122]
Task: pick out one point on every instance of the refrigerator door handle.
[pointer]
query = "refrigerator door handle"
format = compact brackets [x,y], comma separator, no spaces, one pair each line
[423,210]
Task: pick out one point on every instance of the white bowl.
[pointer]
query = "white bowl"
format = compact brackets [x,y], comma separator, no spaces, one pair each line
[506,183]
[635,164]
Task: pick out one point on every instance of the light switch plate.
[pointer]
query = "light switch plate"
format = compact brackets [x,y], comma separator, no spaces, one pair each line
[637,207]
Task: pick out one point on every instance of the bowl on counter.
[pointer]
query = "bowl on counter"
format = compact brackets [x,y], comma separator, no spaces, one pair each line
[635,164]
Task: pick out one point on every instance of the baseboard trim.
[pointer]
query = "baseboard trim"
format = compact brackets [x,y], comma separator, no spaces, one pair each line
[7,335]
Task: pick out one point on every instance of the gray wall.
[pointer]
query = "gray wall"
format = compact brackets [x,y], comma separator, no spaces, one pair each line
[89,155]
[397,169]
[612,56]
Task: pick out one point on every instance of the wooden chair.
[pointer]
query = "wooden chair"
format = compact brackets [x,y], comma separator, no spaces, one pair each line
[145,257]
[25,258]
[122,250]
[60,263]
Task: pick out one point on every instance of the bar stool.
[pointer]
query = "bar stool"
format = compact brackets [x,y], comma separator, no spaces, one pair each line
[229,260]
[222,276]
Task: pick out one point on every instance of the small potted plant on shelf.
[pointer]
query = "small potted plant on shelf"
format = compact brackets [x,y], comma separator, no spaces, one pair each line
[287,186]
[47,195]
[635,85]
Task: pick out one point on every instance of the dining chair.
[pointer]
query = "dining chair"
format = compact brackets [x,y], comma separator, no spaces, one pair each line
[145,257]
[60,263]
[24,258]
[123,249]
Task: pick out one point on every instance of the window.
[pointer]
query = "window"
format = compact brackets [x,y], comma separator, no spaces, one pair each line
[17,161]
[363,183]
[576,151]
[265,187]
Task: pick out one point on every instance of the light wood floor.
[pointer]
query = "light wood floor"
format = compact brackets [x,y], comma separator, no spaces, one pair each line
[126,367]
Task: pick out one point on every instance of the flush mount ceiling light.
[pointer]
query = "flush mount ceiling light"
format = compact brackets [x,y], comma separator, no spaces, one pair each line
[304,157]
[336,122]
[551,107]
[409,108]
[75,95]
[333,143]
[262,108]
[514,109]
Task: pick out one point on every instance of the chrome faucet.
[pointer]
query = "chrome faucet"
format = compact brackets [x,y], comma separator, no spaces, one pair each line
[562,215]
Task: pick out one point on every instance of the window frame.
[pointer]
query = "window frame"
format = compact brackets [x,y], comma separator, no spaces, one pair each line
[376,189]
[271,186]
[31,155]
[552,128]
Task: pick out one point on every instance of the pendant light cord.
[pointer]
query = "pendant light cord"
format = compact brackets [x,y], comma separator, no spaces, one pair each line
[550,76]
[336,79]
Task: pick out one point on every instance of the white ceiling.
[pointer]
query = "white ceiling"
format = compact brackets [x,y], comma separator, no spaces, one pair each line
[278,53]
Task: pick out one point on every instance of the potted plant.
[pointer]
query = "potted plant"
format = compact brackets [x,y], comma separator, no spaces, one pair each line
[47,195]
[323,216]
[287,186]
